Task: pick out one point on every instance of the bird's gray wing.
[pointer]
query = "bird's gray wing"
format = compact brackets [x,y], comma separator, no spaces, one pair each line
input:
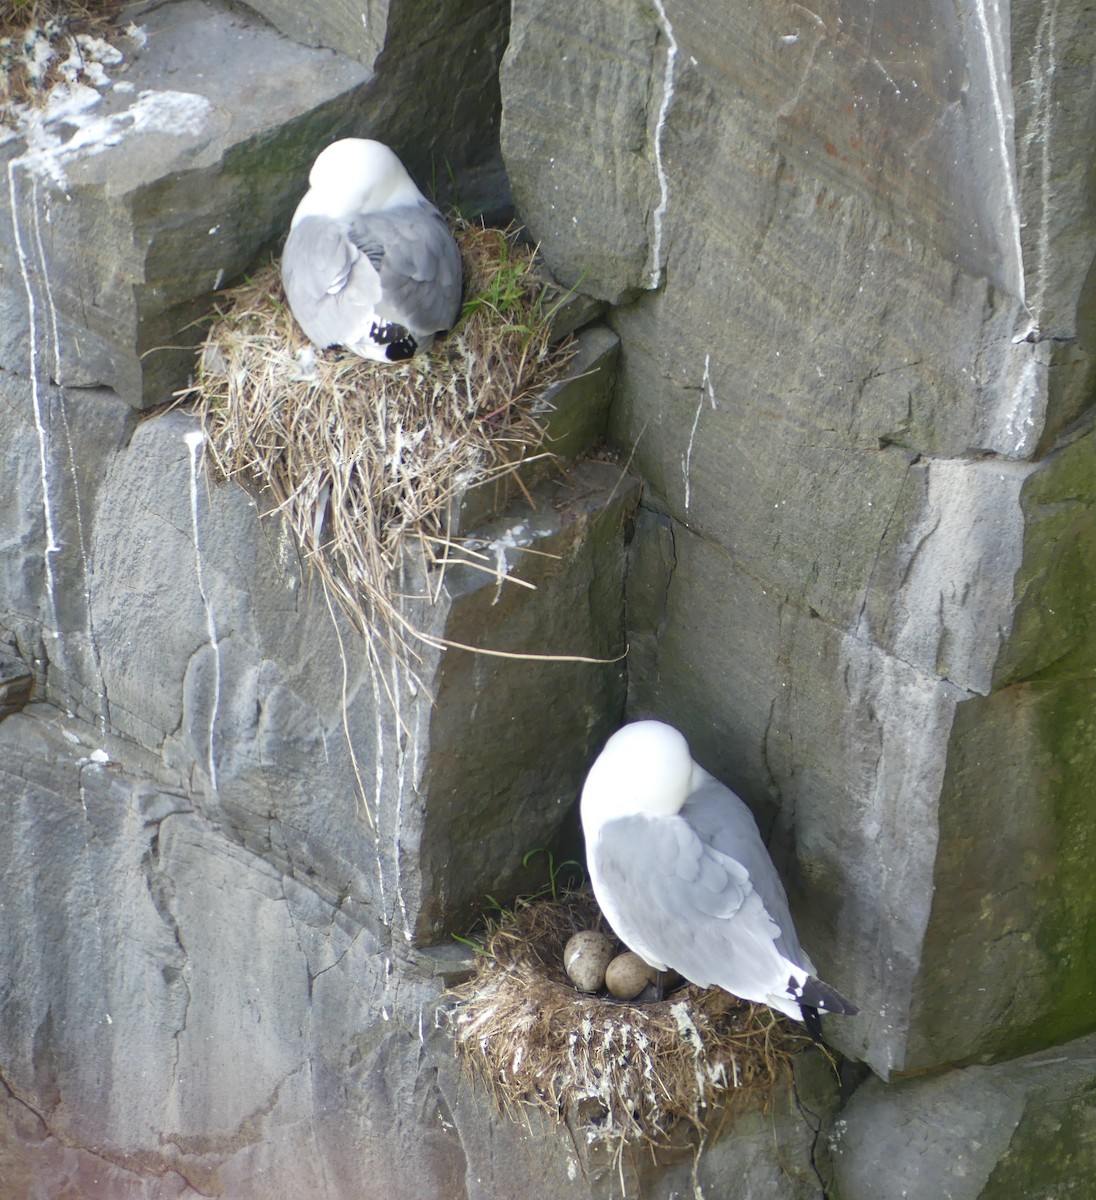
[418,263]
[723,822]
[682,902]
[332,289]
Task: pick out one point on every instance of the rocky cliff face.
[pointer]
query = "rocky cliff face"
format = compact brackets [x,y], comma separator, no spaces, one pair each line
[847,254]
[853,371]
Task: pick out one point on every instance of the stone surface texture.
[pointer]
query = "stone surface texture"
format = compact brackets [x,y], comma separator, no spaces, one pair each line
[1022,1128]
[837,303]
[174,180]
[856,366]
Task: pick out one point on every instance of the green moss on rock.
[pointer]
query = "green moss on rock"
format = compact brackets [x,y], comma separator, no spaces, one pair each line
[1010,948]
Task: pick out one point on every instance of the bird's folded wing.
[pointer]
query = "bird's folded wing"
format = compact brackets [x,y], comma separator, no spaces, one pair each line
[723,822]
[332,288]
[689,905]
[319,258]
[418,263]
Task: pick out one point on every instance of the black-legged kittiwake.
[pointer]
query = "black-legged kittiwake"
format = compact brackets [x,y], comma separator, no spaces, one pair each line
[681,873]
[370,263]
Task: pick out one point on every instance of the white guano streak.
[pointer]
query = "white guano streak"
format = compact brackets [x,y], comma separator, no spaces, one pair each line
[994,57]
[194,440]
[663,111]
[401,787]
[89,620]
[687,460]
[52,546]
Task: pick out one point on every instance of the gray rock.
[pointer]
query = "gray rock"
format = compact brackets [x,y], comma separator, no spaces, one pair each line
[1055,130]
[1013,871]
[123,230]
[16,685]
[433,87]
[249,1034]
[355,29]
[246,695]
[576,410]
[917,821]
[753,696]
[503,774]
[845,401]
[57,442]
[587,194]
[858,383]
[139,1059]
[573,413]
[1024,1128]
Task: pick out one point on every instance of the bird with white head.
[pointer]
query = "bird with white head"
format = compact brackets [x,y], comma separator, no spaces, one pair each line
[370,263]
[681,873]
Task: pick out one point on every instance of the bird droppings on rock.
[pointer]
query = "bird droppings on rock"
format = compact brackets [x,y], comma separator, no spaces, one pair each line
[51,43]
[619,1072]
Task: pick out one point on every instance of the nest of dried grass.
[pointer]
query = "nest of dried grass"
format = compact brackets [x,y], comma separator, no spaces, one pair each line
[362,458]
[623,1072]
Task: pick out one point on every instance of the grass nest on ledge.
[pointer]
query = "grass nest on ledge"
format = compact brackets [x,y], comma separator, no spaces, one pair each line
[365,460]
[617,1072]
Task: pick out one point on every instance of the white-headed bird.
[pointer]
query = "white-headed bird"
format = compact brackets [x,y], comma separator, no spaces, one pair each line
[370,263]
[681,873]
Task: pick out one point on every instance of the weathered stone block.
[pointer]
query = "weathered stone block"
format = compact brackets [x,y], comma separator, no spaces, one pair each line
[264,699]
[853,237]
[843,777]
[294,1074]
[1023,1128]
[940,593]
[503,772]
[177,1008]
[573,412]
[56,443]
[174,180]
[576,410]
[1054,95]
[434,92]
[1010,947]
[933,836]
[586,196]
[837,397]
[355,28]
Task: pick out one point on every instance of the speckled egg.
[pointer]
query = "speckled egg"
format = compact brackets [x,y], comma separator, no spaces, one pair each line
[627,975]
[585,958]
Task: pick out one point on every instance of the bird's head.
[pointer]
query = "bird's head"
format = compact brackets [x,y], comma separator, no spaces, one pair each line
[356,175]
[645,768]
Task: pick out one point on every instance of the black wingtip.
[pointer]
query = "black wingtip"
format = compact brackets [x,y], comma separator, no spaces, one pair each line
[402,350]
[815,994]
[398,341]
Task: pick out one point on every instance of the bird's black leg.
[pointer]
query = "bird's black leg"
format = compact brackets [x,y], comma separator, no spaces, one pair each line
[813,1024]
